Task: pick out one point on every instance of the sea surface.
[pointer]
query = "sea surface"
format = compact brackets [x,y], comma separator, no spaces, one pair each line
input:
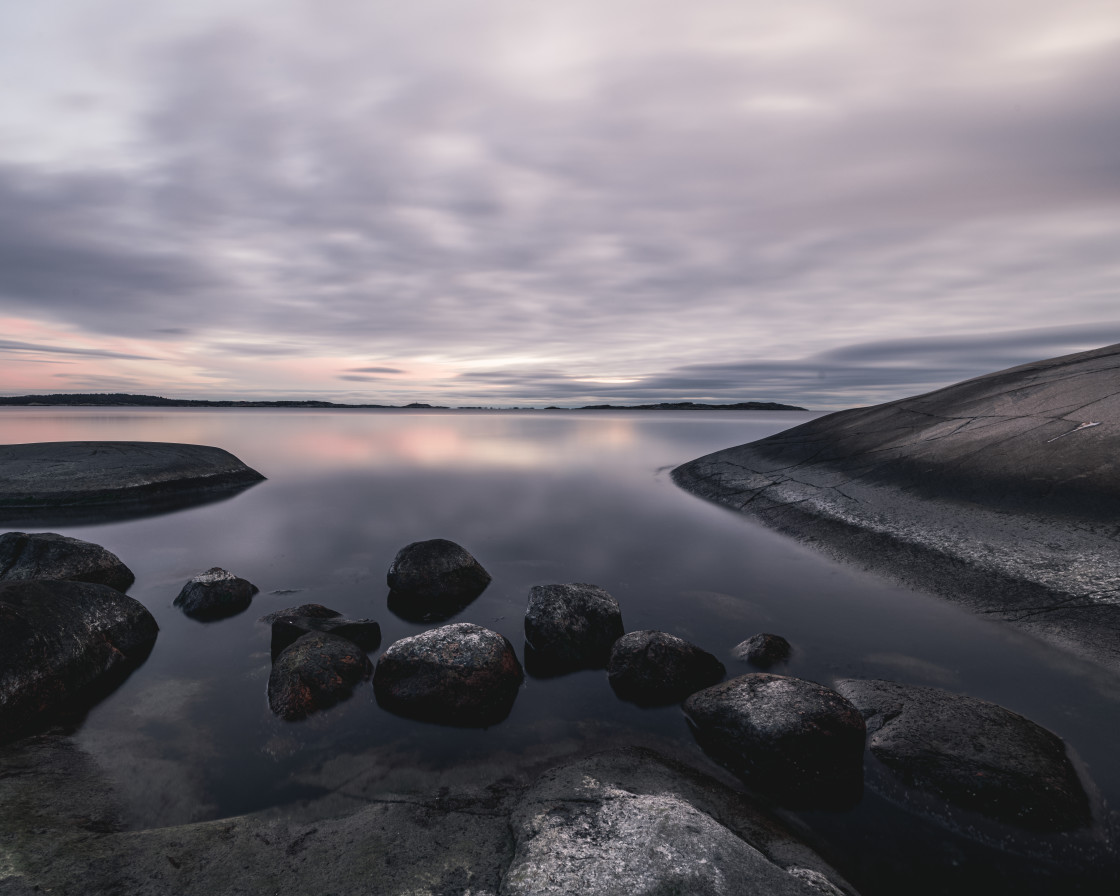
[537,497]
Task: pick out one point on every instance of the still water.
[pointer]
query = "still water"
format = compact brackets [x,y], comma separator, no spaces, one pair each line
[537,497]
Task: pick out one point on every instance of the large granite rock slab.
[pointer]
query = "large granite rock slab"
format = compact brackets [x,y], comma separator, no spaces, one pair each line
[1000,492]
[58,640]
[45,555]
[95,481]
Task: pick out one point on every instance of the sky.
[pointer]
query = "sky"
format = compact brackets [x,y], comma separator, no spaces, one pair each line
[510,202]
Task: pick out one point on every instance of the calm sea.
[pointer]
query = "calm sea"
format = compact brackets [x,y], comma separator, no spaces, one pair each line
[537,497]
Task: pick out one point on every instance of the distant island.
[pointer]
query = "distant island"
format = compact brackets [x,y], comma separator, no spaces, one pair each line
[120,399]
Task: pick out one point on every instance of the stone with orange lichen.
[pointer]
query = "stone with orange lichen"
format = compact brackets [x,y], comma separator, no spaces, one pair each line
[315,672]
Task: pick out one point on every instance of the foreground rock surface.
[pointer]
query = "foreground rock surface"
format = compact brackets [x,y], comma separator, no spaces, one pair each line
[59,639]
[430,581]
[570,627]
[658,669]
[215,594]
[461,674]
[1000,492]
[795,740]
[315,672]
[45,555]
[971,753]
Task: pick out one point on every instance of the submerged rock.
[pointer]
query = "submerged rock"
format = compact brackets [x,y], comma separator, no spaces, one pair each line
[570,627]
[364,633]
[763,650]
[312,611]
[461,674]
[315,672]
[45,555]
[215,594]
[657,669]
[430,581]
[971,753]
[58,639]
[795,740]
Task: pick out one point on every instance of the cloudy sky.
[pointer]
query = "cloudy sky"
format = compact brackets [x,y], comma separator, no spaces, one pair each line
[512,202]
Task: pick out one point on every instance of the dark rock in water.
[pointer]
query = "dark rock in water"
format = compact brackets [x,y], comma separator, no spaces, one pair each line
[569,627]
[430,581]
[971,753]
[312,611]
[58,639]
[657,669]
[44,555]
[364,633]
[795,740]
[315,672]
[461,674]
[763,650]
[630,823]
[215,594]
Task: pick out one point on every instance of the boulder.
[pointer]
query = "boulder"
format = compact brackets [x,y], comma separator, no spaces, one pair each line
[461,674]
[630,823]
[763,650]
[569,627]
[971,753]
[657,669]
[364,633]
[430,581]
[795,740]
[59,639]
[313,611]
[315,672]
[215,594]
[45,555]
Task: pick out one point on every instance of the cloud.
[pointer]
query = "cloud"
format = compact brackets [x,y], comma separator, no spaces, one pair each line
[10,345]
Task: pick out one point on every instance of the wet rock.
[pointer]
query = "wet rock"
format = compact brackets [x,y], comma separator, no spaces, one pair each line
[657,669]
[215,594]
[430,581]
[795,740]
[313,611]
[59,639]
[364,633]
[569,627]
[315,672]
[630,823]
[45,555]
[461,674]
[763,650]
[971,753]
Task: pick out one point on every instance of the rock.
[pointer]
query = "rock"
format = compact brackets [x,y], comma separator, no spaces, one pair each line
[461,674]
[763,650]
[657,669]
[364,633]
[58,639]
[312,611]
[971,753]
[44,555]
[315,672]
[430,581]
[569,627]
[795,740]
[630,823]
[215,594]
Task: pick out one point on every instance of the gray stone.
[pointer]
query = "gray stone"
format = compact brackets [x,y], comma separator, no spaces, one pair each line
[60,639]
[1000,492]
[431,581]
[971,753]
[657,669]
[315,672]
[570,627]
[215,594]
[364,633]
[461,674]
[45,555]
[312,611]
[795,740]
[763,650]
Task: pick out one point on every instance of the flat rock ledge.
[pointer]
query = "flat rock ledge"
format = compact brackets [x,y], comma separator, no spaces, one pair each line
[1000,493]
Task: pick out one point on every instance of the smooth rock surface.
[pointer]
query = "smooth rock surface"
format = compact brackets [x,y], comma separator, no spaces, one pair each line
[45,555]
[215,594]
[315,672]
[795,740]
[60,639]
[570,627]
[461,674]
[658,669]
[1000,492]
[363,633]
[763,650]
[971,753]
[431,581]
